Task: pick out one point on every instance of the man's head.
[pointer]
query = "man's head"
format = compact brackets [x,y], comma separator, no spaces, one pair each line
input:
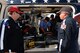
[64,12]
[52,16]
[14,12]
[47,19]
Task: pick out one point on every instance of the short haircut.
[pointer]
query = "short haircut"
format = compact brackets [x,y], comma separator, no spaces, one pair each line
[47,18]
[52,16]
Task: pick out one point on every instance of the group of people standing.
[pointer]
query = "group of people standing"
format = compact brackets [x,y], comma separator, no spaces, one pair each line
[12,38]
[48,24]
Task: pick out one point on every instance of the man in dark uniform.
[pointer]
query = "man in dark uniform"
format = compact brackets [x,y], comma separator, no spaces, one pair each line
[68,32]
[13,38]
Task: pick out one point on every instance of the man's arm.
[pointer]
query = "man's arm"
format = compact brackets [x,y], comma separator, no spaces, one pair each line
[60,44]
[42,30]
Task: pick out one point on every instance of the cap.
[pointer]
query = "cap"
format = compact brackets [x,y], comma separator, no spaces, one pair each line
[66,9]
[14,9]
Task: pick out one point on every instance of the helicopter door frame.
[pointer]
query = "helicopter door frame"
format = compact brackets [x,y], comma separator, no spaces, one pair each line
[73,13]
